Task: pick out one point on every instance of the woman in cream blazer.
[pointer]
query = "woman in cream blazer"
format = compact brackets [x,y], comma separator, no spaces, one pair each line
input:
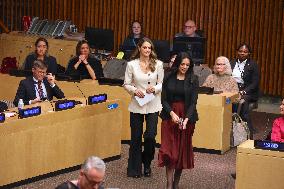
[143,79]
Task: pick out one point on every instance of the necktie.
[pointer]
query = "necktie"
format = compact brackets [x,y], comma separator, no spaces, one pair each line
[40,91]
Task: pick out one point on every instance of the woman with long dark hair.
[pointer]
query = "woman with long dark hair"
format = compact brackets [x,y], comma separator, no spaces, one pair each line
[179,115]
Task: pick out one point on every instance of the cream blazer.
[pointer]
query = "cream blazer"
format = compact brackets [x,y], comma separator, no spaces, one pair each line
[135,78]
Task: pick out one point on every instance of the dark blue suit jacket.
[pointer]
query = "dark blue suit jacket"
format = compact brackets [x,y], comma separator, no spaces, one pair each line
[27,92]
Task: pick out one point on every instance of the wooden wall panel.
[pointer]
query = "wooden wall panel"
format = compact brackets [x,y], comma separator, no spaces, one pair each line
[226,23]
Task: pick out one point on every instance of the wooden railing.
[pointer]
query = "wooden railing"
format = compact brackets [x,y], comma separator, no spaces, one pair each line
[226,24]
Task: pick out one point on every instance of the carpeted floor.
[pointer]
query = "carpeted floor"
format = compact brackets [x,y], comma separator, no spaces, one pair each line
[211,170]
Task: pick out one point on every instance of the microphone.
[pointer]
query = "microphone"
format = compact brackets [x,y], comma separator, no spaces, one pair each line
[266,130]
[86,99]
[51,105]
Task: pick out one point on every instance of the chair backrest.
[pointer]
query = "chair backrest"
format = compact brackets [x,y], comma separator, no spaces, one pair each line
[253,105]
[202,72]
[200,33]
[162,48]
[115,69]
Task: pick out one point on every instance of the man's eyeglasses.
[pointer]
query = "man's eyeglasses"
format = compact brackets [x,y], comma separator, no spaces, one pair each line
[189,27]
[93,183]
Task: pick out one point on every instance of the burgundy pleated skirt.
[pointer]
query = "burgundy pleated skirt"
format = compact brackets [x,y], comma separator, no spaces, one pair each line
[176,145]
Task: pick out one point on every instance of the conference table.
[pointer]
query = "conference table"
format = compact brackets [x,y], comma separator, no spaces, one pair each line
[258,168]
[58,140]
[212,131]
[55,140]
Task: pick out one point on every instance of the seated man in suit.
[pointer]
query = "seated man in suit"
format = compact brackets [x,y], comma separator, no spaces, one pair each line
[39,87]
[91,175]
[189,29]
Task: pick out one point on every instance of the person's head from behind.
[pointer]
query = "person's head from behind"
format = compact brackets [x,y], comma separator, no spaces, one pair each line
[222,66]
[189,28]
[82,48]
[39,70]
[282,108]
[41,46]
[92,173]
[183,63]
[136,29]
[243,51]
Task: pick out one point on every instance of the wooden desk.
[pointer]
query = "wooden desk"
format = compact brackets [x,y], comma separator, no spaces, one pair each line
[215,114]
[90,87]
[258,168]
[213,129]
[71,90]
[57,140]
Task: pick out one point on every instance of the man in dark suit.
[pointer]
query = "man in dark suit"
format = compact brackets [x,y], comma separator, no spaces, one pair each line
[39,87]
[246,73]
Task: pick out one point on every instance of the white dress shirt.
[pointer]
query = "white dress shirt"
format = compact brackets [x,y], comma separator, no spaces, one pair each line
[44,93]
[238,71]
[135,78]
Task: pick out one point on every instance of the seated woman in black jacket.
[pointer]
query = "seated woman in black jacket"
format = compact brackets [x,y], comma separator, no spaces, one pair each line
[134,36]
[41,53]
[246,73]
[83,64]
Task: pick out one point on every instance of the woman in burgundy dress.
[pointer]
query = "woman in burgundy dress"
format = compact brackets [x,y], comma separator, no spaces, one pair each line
[179,115]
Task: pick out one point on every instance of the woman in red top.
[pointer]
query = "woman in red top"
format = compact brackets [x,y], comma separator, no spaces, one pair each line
[277,134]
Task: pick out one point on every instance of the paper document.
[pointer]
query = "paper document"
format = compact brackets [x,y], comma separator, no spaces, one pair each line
[9,114]
[147,98]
